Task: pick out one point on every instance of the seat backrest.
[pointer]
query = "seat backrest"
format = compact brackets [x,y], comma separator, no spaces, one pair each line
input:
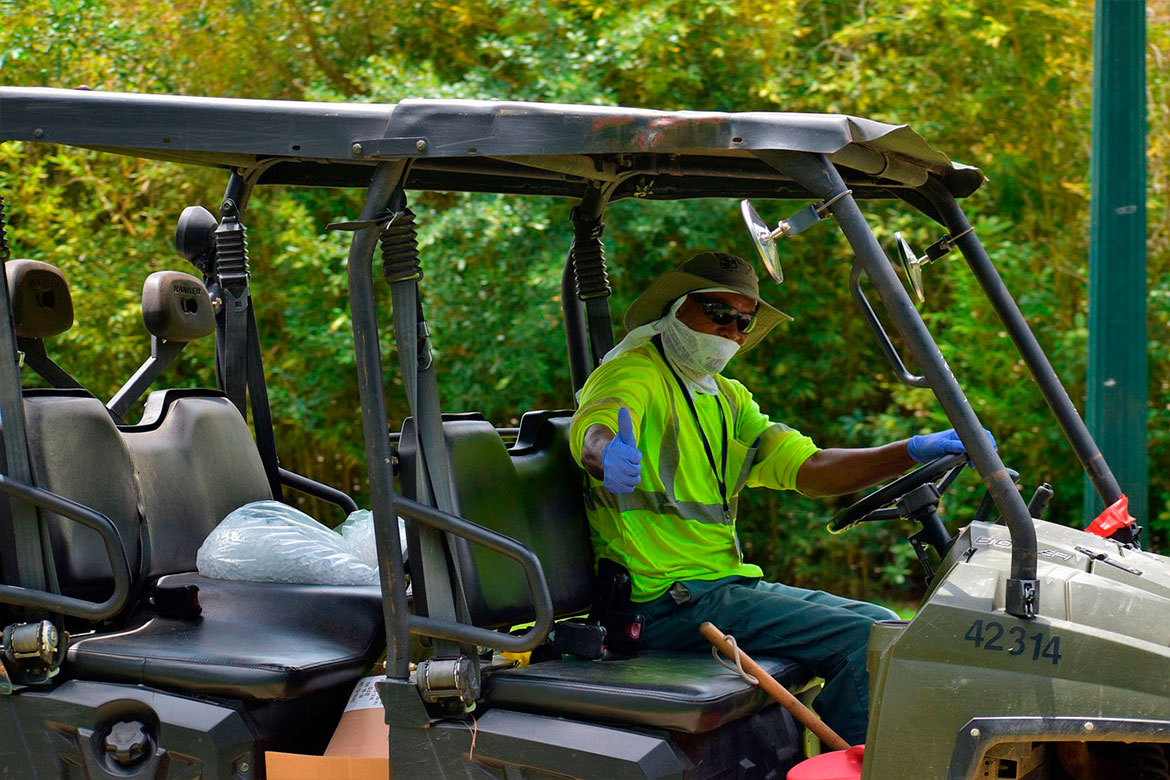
[196,461]
[553,487]
[532,494]
[76,451]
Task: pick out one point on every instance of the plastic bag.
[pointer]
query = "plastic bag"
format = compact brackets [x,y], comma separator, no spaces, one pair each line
[267,541]
[358,530]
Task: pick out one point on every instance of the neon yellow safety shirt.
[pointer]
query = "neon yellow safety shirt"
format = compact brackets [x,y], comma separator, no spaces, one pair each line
[673,526]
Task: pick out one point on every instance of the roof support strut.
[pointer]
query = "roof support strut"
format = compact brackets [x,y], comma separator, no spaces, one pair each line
[819,175]
[587,255]
[33,558]
[363,309]
[435,572]
[1074,427]
[239,365]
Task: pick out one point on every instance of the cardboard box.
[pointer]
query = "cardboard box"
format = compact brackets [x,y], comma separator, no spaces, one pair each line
[362,732]
[290,766]
[359,749]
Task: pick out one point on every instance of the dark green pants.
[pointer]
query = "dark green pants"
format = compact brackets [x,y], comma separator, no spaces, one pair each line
[826,633]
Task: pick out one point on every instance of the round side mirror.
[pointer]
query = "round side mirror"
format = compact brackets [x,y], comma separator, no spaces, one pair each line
[764,240]
[912,265]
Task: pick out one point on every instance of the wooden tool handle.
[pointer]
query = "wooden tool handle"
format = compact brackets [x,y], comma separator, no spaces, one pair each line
[807,717]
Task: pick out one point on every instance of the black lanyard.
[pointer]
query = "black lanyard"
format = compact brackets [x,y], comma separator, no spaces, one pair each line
[721,480]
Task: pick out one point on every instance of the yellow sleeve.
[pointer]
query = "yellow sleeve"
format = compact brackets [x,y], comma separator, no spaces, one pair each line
[781,450]
[624,381]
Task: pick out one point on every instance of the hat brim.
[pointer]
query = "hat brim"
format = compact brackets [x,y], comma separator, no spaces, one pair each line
[672,285]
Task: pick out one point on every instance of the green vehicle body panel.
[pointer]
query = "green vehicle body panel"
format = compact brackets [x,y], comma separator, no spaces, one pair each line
[1100,647]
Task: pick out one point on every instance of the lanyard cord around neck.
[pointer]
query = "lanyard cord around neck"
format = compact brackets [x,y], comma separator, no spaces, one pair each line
[721,480]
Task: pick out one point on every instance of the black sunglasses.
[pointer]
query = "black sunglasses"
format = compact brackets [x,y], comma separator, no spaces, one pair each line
[724,314]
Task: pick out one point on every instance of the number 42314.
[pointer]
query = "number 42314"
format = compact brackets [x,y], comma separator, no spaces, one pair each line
[992,635]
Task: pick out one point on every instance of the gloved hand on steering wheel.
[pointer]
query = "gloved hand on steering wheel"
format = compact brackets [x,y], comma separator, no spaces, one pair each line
[927,446]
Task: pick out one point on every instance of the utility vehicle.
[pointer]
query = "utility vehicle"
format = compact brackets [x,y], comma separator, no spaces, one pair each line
[1039,650]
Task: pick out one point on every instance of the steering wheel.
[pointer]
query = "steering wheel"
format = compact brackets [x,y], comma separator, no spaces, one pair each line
[876,506]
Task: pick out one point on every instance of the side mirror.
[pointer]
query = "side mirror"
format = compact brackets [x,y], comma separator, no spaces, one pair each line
[764,240]
[912,265]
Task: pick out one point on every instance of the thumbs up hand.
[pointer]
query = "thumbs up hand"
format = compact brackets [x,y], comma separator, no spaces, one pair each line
[620,460]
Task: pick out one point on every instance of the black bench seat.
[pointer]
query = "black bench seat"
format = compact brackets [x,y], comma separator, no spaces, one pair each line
[254,640]
[686,692]
[533,493]
[166,483]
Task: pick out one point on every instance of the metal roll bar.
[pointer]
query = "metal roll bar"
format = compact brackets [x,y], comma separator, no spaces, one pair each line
[115,550]
[504,545]
[820,176]
[385,503]
[379,465]
[1021,335]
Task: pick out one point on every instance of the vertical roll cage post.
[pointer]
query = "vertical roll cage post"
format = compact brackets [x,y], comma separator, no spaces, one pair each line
[375,422]
[239,366]
[386,182]
[33,557]
[35,585]
[819,176]
[589,269]
[576,335]
[239,191]
[1013,320]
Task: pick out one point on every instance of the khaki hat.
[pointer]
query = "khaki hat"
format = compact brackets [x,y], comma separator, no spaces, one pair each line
[703,271]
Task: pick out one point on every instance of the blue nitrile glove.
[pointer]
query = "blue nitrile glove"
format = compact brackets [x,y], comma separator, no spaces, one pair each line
[621,462]
[927,446]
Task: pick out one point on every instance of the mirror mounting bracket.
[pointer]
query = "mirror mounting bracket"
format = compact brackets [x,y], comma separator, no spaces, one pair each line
[912,264]
[807,217]
[944,245]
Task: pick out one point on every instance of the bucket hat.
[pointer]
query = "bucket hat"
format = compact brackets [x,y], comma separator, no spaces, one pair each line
[703,271]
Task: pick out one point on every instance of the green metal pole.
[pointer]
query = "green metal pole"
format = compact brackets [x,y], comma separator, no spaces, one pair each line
[1117,370]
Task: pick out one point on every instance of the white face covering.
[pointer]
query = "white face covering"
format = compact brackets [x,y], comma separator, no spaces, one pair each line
[696,356]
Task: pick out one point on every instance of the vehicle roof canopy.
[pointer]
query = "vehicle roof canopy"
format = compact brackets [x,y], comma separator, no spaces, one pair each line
[485,145]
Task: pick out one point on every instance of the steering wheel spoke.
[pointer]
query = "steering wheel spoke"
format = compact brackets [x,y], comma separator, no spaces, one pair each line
[883,515]
[879,506]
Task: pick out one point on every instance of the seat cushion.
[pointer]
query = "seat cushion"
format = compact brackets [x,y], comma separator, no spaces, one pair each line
[687,692]
[254,640]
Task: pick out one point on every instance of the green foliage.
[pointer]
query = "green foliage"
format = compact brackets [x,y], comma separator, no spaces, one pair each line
[1004,85]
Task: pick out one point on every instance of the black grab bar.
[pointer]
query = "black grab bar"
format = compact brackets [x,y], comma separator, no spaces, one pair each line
[311,487]
[115,549]
[504,545]
[875,326]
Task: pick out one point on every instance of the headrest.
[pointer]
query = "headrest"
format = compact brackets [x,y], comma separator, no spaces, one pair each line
[176,307]
[41,304]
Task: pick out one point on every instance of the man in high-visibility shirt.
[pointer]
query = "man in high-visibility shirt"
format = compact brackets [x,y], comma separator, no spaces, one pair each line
[669,443]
